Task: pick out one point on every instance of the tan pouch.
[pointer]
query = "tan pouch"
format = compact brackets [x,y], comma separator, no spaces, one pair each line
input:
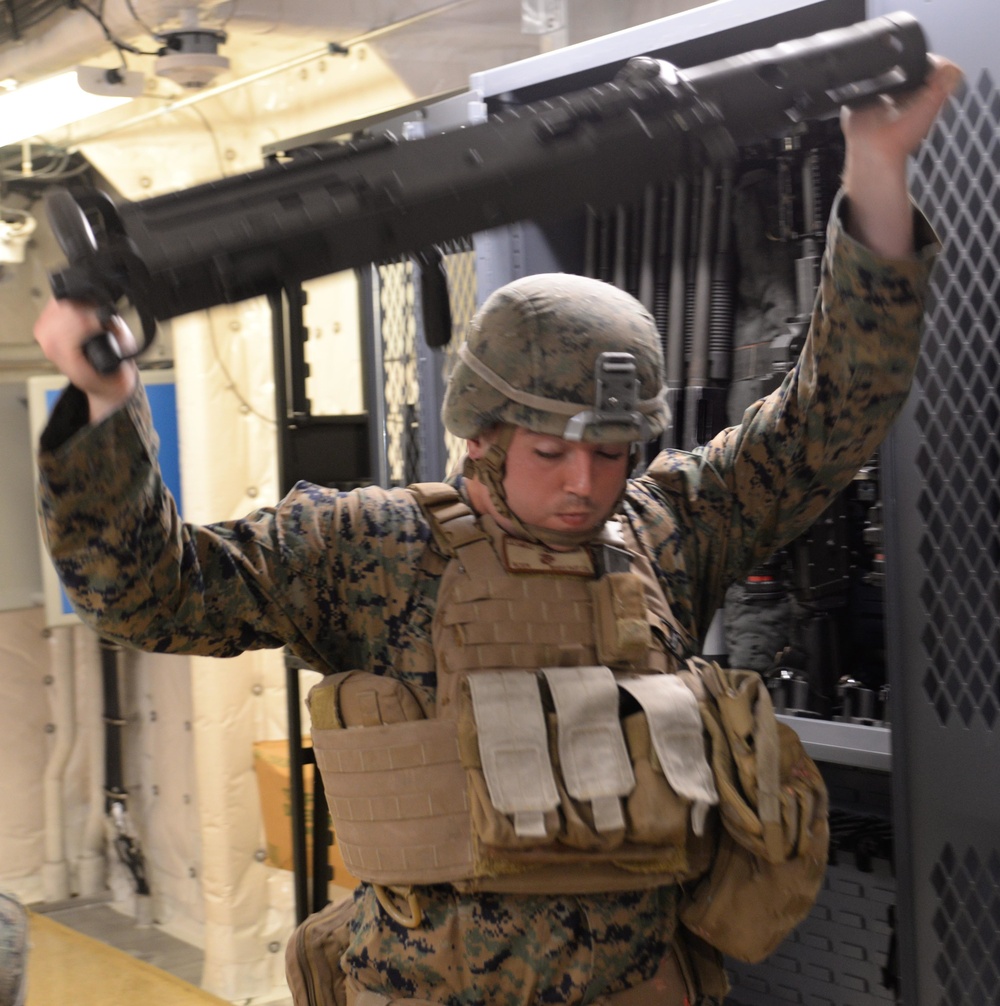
[523,764]
[656,814]
[621,625]
[577,828]
[657,824]
[312,956]
[537,777]
[393,779]
[361,699]
[773,846]
[491,827]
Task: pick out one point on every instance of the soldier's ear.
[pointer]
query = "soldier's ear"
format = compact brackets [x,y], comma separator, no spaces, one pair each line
[476,447]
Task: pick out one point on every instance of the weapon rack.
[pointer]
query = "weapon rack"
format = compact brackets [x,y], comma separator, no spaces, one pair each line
[910,910]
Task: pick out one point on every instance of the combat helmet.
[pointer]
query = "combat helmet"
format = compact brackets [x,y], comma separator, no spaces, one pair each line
[561,355]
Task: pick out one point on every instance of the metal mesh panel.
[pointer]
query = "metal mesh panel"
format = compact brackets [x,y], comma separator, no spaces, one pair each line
[399,327]
[955,592]
[460,264]
[406,403]
[966,923]
[956,181]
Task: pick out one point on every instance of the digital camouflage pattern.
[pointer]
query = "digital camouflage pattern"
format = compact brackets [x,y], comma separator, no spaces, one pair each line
[513,949]
[344,580]
[13,950]
[531,334]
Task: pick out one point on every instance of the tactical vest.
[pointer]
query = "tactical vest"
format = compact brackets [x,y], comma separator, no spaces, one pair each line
[560,756]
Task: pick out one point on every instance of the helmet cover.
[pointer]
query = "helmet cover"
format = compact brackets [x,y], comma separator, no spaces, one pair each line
[533,359]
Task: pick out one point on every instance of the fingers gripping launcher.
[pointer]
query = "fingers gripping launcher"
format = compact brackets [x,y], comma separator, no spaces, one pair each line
[103,274]
[346,205]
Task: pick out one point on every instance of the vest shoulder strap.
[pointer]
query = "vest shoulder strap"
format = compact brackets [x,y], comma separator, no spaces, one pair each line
[452,520]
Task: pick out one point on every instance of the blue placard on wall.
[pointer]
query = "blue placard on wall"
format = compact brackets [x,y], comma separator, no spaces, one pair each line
[161,391]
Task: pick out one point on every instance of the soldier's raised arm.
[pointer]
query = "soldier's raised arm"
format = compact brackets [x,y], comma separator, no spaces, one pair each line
[879,138]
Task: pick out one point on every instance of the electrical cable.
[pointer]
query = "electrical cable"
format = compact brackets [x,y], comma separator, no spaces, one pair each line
[215,140]
[119,44]
[231,14]
[17,15]
[138,20]
[50,165]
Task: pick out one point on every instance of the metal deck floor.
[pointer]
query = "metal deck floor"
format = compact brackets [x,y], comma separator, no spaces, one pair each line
[69,966]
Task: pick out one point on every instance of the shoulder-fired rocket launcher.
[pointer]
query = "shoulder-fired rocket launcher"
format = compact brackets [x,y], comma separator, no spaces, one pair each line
[329,209]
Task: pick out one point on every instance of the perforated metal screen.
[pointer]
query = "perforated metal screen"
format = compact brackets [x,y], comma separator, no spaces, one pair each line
[399,365]
[414,439]
[460,264]
[958,183]
[947,575]
[966,923]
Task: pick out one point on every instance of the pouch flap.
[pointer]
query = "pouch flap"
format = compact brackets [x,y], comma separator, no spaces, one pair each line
[675,727]
[513,747]
[361,699]
[592,753]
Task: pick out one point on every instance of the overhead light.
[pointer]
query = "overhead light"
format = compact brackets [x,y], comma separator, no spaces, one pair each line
[29,110]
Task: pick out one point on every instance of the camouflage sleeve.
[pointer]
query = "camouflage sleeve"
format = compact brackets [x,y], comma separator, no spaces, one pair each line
[758,485]
[332,575]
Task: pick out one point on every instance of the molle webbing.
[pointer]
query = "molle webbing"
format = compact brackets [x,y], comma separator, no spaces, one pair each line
[505,623]
[526,779]
[415,802]
[443,506]
[491,619]
[397,796]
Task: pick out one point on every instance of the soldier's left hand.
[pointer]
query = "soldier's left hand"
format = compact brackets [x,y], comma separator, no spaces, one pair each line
[890,128]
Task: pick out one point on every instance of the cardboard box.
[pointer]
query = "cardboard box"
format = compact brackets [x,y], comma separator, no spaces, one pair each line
[271,765]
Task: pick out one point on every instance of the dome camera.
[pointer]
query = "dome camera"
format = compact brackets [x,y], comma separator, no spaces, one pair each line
[190,56]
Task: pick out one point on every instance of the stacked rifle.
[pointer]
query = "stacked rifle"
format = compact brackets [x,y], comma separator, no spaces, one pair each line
[674,253]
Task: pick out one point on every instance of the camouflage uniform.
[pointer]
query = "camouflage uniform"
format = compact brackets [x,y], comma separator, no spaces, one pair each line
[340,579]
[13,950]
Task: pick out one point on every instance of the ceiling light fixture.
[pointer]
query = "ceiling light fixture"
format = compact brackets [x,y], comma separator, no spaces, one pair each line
[29,110]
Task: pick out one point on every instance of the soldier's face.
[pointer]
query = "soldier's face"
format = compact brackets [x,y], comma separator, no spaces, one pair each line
[559,484]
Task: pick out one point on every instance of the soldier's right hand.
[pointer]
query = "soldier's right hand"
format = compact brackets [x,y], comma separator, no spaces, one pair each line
[62,330]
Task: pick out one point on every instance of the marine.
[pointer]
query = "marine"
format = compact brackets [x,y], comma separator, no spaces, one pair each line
[559,381]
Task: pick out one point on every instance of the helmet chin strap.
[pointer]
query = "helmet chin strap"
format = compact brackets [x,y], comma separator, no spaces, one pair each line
[489,470]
